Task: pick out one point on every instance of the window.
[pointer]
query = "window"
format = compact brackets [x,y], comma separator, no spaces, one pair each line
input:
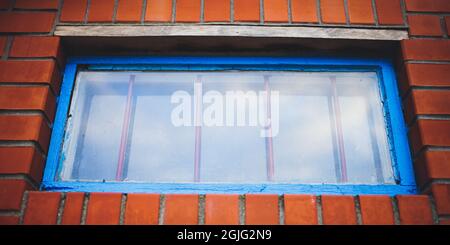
[285,125]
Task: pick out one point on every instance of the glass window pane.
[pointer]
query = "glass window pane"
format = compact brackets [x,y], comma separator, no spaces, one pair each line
[168,126]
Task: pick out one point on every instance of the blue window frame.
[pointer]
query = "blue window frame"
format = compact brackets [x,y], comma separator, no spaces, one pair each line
[395,126]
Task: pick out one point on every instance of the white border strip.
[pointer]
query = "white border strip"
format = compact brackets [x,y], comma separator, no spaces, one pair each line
[228,31]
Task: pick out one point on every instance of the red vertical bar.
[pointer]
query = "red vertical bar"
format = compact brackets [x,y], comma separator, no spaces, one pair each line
[269,140]
[198,131]
[125,129]
[340,135]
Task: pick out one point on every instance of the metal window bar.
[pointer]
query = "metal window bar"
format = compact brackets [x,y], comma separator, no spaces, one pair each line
[269,140]
[198,115]
[125,129]
[339,131]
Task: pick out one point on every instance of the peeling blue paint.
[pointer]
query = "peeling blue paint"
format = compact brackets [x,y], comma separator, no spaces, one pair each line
[397,131]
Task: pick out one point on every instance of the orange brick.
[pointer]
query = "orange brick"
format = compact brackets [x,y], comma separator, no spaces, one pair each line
[444,222]
[441,194]
[360,12]
[35,46]
[435,75]
[414,209]
[181,209]
[276,11]
[11,193]
[332,11]
[338,210]
[261,209]
[22,160]
[30,71]
[188,11]
[221,209]
[28,98]
[217,10]
[129,11]
[389,12]
[33,4]
[304,11]
[300,210]
[17,127]
[424,25]
[429,133]
[9,220]
[376,210]
[4,4]
[159,11]
[428,5]
[73,11]
[101,11]
[2,45]
[432,165]
[104,209]
[73,208]
[415,49]
[246,10]
[142,209]
[427,102]
[26,21]
[42,208]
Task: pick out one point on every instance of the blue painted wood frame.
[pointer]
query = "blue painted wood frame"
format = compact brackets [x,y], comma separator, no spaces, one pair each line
[397,131]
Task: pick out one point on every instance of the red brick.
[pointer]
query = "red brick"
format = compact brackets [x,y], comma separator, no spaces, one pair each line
[261,209]
[414,210]
[30,71]
[360,12]
[389,12]
[300,210]
[217,10]
[28,98]
[338,210]
[26,21]
[9,220]
[246,10]
[18,127]
[22,160]
[142,209]
[424,25]
[42,208]
[159,11]
[427,102]
[432,165]
[101,11]
[129,11]
[181,209]
[376,210]
[33,4]
[441,194]
[428,5]
[73,11]
[73,208]
[426,49]
[304,11]
[11,193]
[2,45]
[447,23]
[429,133]
[444,221]
[276,11]
[104,209]
[188,11]
[35,46]
[435,75]
[4,4]
[332,11]
[221,209]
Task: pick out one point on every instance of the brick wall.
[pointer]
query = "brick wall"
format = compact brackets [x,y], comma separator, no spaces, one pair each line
[32,61]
